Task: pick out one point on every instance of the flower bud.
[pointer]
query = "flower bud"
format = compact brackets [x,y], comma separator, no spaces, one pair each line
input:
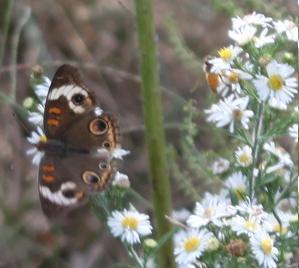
[121,180]
[150,243]
[28,103]
[265,59]
[213,244]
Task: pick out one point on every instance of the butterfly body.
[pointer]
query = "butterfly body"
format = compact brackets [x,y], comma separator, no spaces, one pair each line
[80,139]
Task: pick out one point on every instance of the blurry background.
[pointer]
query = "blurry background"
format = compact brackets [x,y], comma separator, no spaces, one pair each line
[100,38]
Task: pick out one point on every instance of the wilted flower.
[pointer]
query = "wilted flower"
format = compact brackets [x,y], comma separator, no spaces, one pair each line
[220,166]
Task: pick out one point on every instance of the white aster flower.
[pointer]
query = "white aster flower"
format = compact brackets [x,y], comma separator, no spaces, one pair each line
[129,225]
[36,138]
[244,156]
[252,209]
[288,27]
[41,90]
[251,19]
[226,58]
[220,166]
[119,153]
[228,111]
[293,131]
[237,183]
[245,225]
[277,104]
[211,209]
[180,215]
[190,246]
[264,38]
[233,77]
[272,225]
[278,84]
[121,180]
[263,249]
[37,117]
[284,159]
[243,35]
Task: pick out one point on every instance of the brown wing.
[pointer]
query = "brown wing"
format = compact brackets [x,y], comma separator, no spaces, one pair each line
[68,99]
[71,114]
[66,181]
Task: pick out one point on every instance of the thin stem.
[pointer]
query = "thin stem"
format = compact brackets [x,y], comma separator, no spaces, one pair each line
[140,197]
[7,15]
[15,43]
[136,257]
[155,136]
[255,151]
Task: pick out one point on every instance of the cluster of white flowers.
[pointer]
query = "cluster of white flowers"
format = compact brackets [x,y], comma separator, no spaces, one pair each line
[245,76]
[236,76]
[215,215]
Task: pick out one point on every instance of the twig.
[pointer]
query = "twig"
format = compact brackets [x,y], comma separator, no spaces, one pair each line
[255,151]
[15,43]
[176,222]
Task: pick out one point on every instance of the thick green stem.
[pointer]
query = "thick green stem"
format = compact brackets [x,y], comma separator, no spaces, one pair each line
[256,145]
[155,136]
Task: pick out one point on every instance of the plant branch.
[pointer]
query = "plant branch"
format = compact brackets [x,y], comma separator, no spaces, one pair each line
[155,136]
[256,145]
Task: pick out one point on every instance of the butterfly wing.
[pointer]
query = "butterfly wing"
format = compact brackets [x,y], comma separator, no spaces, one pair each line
[66,180]
[71,114]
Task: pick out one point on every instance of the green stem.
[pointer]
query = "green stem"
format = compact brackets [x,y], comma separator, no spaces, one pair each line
[135,256]
[6,20]
[255,151]
[155,136]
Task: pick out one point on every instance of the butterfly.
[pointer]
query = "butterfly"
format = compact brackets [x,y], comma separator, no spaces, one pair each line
[80,140]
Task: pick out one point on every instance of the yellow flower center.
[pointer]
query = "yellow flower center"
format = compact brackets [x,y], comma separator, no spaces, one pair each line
[129,223]
[225,53]
[191,244]
[244,159]
[233,77]
[280,229]
[209,212]
[275,82]
[250,225]
[43,139]
[237,114]
[266,245]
